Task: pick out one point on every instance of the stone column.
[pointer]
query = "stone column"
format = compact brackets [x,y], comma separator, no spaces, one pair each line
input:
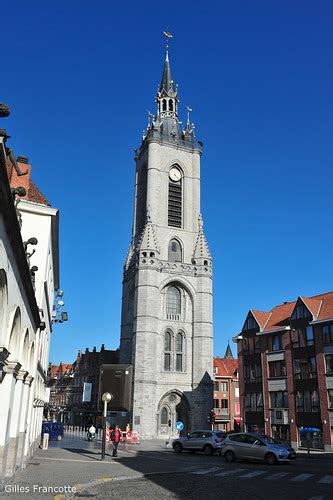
[16,409]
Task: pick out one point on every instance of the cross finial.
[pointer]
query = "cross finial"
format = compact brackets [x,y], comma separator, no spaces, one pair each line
[188,113]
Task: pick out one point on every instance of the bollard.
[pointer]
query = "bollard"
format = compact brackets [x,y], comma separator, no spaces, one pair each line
[45,441]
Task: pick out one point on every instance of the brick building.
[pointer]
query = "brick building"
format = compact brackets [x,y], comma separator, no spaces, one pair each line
[286,371]
[68,381]
[226,392]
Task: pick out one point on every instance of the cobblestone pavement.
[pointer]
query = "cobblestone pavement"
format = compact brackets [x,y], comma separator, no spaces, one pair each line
[151,469]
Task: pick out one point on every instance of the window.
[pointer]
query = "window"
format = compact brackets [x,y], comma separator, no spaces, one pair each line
[170,105]
[253,402]
[305,368]
[245,345]
[302,337]
[216,386]
[276,343]
[257,348]
[216,403]
[164,105]
[277,369]
[328,334]
[307,401]
[252,373]
[329,363]
[175,203]
[279,399]
[164,416]
[330,398]
[179,351]
[167,351]
[224,386]
[301,312]
[224,403]
[173,300]
[250,323]
[175,251]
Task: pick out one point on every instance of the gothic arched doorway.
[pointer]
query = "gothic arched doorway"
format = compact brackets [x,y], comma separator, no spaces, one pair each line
[173,407]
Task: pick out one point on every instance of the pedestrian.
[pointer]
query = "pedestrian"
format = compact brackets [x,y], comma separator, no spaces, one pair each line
[115,438]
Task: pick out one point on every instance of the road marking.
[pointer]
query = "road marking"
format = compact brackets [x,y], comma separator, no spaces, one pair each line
[229,472]
[253,474]
[326,480]
[278,475]
[94,461]
[206,471]
[301,477]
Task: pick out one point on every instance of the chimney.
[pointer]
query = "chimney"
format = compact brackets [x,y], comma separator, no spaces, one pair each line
[94,349]
[87,350]
[102,347]
[23,159]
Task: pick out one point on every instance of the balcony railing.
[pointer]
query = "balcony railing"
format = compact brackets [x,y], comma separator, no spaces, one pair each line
[222,413]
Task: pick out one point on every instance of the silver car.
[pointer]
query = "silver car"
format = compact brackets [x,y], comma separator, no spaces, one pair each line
[200,440]
[248,446]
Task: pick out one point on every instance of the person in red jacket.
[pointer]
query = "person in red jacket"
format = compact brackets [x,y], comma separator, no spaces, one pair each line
[115,438]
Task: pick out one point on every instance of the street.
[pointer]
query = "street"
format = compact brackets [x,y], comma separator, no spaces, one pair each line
[151,470]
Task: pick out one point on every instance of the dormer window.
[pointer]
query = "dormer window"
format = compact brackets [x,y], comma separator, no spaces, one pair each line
[250,323]
[301,312]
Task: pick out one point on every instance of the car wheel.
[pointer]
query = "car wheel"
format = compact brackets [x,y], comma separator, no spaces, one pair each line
[208,449]
[178,448]
[59,438]
[229,456]
[270,459]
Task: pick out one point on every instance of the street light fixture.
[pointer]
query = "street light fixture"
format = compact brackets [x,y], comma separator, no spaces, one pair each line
[106,398]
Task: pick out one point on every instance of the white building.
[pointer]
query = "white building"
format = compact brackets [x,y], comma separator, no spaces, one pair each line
[166,330]
[29,276]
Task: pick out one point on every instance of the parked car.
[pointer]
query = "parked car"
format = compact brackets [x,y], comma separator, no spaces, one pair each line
[200,440]
[250,446]
[54,429]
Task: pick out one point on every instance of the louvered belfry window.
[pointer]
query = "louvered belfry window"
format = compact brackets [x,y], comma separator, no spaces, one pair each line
[175,204]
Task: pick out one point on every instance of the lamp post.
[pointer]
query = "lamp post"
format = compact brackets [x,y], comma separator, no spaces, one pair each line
[106,398]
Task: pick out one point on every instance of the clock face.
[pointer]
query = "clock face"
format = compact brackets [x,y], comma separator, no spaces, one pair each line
[175,174]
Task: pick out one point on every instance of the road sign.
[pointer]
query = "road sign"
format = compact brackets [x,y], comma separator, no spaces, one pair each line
[179,426]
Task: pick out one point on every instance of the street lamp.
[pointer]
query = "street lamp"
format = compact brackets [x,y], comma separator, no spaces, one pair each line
[106,398]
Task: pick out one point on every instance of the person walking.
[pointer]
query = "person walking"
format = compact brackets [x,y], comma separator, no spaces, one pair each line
[115,438]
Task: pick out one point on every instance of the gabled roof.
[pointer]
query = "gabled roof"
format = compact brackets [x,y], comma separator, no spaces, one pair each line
[320,306]
[226,367]
[261,317]
[313,305]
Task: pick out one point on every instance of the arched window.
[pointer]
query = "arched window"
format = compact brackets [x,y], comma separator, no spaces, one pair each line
[180,340]
[167,350]
[175,251]
[164,416]
[173,303]
[164,105]
[170,105]
[175,197]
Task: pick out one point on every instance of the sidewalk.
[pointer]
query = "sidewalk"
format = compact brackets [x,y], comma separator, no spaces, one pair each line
[65,464]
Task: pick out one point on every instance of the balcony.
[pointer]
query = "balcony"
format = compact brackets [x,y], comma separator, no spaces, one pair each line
[222,413]
[279,416]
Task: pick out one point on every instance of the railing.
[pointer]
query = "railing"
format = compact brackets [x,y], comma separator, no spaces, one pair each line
[222,412]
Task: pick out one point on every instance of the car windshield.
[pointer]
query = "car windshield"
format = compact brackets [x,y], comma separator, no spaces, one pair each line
[269,440]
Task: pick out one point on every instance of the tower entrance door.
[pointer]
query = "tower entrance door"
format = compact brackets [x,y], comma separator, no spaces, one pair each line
[173,407]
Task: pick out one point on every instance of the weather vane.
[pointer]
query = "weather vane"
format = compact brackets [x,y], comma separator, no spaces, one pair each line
[167,35]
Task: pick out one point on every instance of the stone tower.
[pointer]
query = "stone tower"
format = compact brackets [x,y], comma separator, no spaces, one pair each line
[166,330]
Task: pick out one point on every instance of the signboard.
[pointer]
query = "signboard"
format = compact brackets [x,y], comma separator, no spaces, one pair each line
[179,426]
[117,380]
[86,396]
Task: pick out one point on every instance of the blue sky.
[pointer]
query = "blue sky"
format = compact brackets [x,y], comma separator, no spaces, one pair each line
[80,77]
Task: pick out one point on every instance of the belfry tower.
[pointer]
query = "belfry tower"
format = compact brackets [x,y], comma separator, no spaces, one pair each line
[166,330]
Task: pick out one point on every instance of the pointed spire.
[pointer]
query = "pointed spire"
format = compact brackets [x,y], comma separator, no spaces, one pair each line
[148,239]
[228,352]
[201,250]
[167,81]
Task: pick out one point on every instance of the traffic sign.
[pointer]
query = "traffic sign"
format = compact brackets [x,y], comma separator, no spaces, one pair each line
[179,426]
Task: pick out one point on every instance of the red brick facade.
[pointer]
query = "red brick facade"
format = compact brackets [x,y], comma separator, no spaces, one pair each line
[226,394]
[286,371]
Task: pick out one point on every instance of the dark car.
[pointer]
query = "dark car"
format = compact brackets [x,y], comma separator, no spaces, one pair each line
[54,429]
